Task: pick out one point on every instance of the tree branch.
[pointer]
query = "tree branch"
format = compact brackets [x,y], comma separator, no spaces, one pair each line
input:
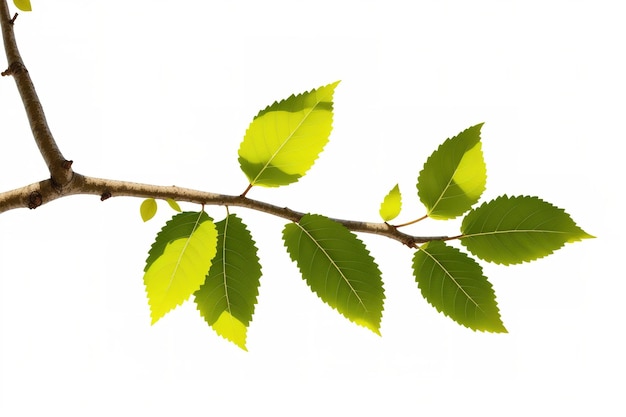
[60,168]
[64,181]
[34,195]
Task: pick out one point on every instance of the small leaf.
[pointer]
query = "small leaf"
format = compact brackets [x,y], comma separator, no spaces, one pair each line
[23,5]
[148,209]
[284,140]
[454,284]
[510,230]
[227,298]
[454,176]
[338,268]
[178,261]
[173,204]
[391,205]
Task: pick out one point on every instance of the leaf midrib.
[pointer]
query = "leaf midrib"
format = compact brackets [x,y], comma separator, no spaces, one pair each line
[287,139]
[356,294]
[500,232]
[445,270]
[182,252]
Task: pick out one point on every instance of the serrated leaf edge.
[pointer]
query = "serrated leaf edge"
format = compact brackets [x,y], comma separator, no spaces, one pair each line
[552,251]
[284,142]
[188,239]
[231,317]
[478,143]
[359,321]
[421,249]
[386,202]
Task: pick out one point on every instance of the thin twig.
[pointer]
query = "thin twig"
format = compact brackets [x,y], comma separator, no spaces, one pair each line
[60,175]
[412,222]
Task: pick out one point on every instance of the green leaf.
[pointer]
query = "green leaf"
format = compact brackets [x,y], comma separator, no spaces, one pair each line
[454,176]
[178,261]
[148,209]
[284,140]
[455,285]
[510,230]
[23,5]
[338,268]
[391,205]
[227,298]
[173,204]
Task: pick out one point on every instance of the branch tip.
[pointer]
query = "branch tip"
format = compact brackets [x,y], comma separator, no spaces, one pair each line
[12,21]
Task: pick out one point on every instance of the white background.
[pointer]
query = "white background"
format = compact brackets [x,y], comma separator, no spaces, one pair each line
[162,92]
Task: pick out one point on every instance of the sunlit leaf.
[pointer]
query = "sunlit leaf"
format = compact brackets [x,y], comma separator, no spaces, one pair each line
[455,285]
[178,261]
[454,176]
[227,298]
[338,268]
[231,329]
[284,140]
[173,204]
[391,205]
[511,230]
[23,5]
[148,209]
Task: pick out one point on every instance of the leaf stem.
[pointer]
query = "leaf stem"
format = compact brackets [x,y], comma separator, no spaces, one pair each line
[246,190]
[412,221]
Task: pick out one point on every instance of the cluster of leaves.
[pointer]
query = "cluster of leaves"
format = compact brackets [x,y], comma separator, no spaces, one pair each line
[217,262]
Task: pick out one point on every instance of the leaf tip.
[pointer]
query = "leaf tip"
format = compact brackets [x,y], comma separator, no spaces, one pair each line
[585,235]
[494,326]
[374,327]
[231,329]
[154,317]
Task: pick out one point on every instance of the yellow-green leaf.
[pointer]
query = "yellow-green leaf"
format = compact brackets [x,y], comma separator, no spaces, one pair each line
[454,284]
[338,268]
[284,140]
[391,205]
[148,209]
[454,176]
[228,296]
[23,5]
[173,204]
[231,329]
[178,261]
[510,230]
